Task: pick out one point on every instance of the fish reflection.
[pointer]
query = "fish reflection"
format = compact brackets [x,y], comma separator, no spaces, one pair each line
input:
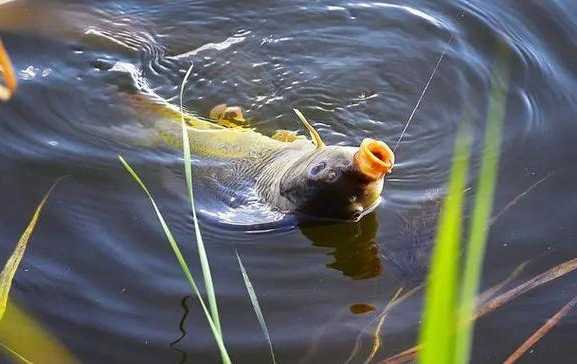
[356,252]
[358,255]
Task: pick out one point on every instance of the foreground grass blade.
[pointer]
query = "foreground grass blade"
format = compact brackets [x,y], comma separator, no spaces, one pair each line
[256,306]
[173,244]
[8,74]
[199,241]
[7,274]
[438,327]
[483,205]
[542,331]
[28,341]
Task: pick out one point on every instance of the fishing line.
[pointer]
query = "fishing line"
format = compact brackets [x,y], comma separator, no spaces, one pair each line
[435,69]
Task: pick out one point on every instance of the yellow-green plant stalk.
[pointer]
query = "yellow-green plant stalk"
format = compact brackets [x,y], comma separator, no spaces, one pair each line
[447,328]
[180,258]
[11,266]
[438,328]
[208,285]
[483,205]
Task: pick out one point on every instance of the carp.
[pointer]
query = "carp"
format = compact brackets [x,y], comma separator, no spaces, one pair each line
[290,173]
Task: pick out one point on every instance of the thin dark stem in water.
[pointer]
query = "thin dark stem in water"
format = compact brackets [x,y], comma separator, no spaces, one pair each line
[519,197]
[182,330]
[435,69]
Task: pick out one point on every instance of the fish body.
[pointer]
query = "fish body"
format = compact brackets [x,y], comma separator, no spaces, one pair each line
[301,176]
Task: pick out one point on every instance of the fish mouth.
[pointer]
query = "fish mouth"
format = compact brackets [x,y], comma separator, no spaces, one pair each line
[374,159]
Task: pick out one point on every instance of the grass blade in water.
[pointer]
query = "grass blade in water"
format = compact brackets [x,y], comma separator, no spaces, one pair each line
[483,205]
[7,274]
[438,328]
[216,333]
[256,306]
[199,241]
[21,336]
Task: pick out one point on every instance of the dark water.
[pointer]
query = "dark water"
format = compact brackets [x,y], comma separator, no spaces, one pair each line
[99,272]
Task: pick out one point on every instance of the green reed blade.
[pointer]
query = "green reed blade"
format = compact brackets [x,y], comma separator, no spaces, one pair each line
[7,274]
[483,205]
[439,317]
[174,245]
[199,241]
[256,306]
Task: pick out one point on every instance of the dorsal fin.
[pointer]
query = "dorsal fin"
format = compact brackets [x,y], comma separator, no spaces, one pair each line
[316,138]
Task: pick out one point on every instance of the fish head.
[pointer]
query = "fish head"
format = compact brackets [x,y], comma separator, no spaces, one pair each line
[338,182]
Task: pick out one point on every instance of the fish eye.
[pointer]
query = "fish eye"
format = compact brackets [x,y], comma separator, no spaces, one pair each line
[317,169]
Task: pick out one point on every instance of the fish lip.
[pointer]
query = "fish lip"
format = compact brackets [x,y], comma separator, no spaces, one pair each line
[374,159]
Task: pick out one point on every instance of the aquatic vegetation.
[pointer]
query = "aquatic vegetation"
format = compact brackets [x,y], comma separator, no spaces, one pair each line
[11,266]
[440,312]
[447,329]
[483,205]
[212,316]
[21,336]
[181,261]
[485,307]
[199,241]
[451,302]
[256,306]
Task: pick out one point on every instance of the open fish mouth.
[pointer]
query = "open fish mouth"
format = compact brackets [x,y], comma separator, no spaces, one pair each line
[374,159]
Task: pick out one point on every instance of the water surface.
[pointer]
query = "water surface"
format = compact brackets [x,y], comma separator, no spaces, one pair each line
[99,273]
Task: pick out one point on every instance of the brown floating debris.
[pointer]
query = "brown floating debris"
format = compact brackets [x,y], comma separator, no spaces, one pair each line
[495,303]
[542,331]
[360,308]
[540,279]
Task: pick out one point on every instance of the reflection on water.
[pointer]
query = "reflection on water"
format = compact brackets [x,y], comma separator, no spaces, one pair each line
[354,248]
